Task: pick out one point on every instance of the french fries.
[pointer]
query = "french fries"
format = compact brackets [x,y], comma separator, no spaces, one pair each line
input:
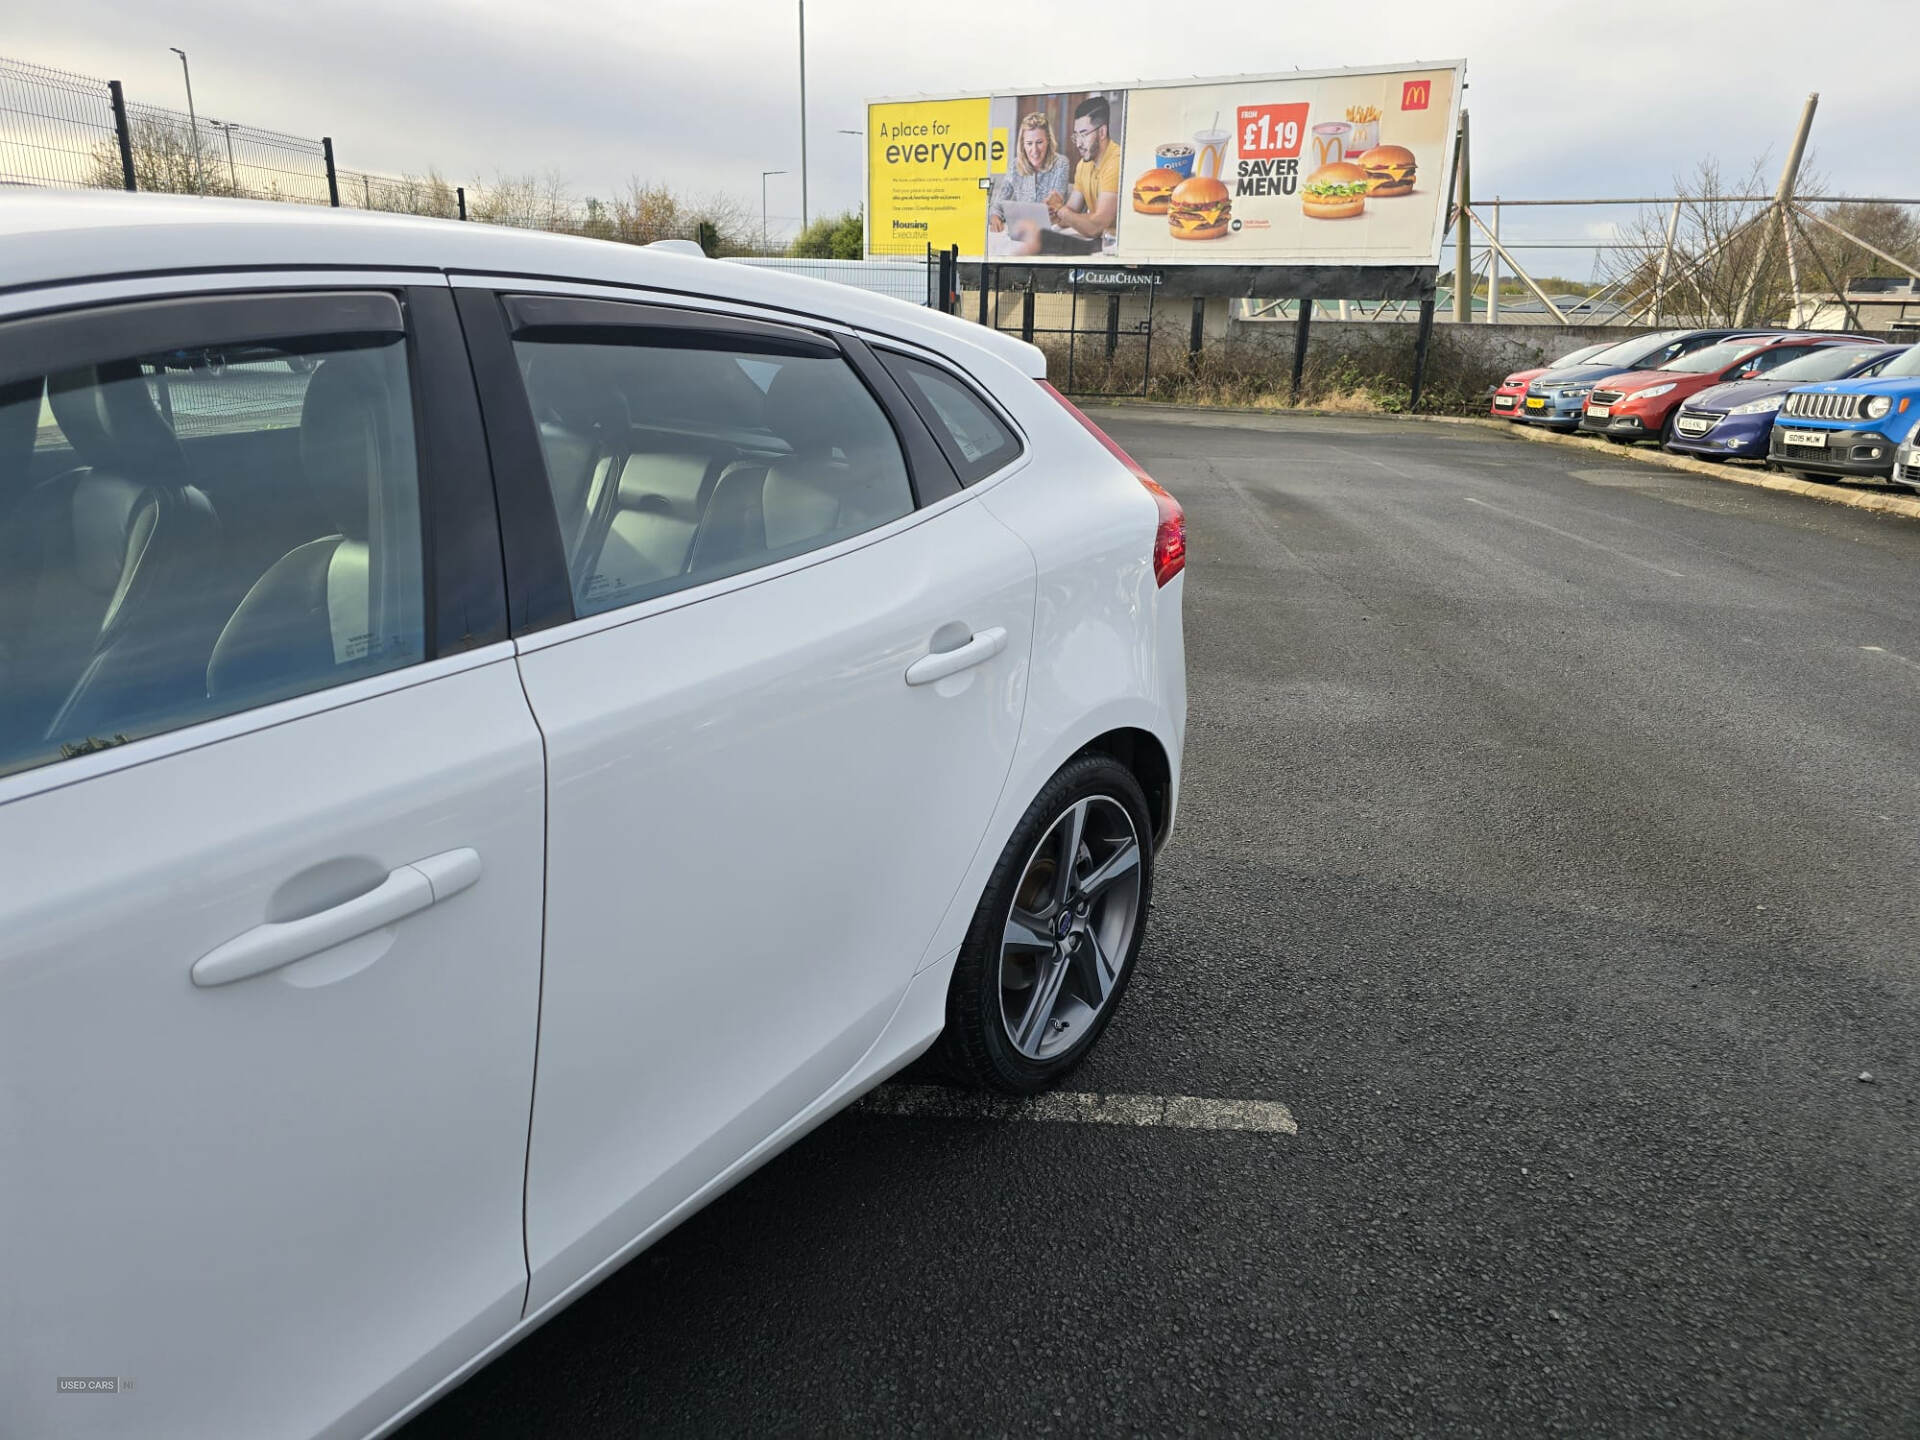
[1361,114]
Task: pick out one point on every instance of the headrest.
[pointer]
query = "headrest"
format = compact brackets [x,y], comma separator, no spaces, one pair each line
[108,416]
[807,406]
[346,437]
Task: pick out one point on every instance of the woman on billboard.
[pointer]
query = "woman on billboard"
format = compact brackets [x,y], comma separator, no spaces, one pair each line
[1039,176]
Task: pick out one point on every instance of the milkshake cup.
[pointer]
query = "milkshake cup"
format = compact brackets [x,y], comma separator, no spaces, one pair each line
[1175,157]
[1330,141]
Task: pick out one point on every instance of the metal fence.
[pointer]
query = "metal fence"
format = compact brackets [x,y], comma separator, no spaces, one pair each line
[60,128]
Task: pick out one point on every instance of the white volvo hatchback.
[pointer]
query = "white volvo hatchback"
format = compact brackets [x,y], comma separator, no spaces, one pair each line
[499,735]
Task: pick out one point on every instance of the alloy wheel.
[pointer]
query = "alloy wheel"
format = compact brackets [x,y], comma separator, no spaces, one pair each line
[1070,927]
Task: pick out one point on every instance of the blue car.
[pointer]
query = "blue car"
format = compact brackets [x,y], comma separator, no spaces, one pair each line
[1558,398]
[1850,429]
[1733,421]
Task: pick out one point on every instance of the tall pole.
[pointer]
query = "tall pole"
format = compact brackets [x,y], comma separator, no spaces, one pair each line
[803,115]
[1493,270]
[1666,260]
[1463,233]
[763,207]
[1782,201]
[199,171]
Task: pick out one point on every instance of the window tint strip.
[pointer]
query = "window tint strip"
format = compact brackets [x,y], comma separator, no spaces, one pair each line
[41,344]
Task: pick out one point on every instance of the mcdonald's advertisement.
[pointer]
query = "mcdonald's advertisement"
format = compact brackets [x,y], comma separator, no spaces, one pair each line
[1346,167]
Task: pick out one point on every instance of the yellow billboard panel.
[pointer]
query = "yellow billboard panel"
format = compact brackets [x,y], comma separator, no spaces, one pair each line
[928,165]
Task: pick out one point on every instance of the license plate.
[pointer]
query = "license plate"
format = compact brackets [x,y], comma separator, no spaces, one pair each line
[1534,402]
[1503,402]
[1599,412]
[1811,438]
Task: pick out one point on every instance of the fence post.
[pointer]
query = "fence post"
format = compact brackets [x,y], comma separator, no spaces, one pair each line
[1198,332]
[460,195]
[122,133]
[1113,326]
[1026,312]
[953,280]
[1300,347]
[333,180]
[1420,351]
[983,292]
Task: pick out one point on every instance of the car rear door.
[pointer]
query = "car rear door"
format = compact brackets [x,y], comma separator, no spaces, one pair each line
[778,657]
[270,906]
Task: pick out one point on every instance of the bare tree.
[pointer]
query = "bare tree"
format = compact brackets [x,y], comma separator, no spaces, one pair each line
[163,162]
[1726,253]
[529,202]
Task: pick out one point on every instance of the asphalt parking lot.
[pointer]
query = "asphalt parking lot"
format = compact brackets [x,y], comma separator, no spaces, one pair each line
[1548,849]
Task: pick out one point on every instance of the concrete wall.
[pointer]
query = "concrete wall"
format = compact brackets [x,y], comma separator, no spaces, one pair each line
[1504,348]
[1463,360]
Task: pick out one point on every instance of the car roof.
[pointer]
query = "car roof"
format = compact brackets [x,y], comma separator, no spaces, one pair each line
[58,237]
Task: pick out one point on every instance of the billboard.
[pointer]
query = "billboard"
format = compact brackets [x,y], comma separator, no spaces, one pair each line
[927,166]
[1343,167]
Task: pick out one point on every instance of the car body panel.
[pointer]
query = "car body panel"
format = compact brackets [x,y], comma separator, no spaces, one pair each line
[311,1162]
[731,780]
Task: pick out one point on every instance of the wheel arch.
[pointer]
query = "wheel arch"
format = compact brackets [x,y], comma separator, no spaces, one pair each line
[1143,754]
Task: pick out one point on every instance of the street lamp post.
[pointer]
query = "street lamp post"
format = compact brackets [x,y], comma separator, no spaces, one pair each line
[763,206]
[803,114]
[199,171]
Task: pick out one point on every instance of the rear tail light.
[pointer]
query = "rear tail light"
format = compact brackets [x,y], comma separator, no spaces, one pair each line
[1170,539]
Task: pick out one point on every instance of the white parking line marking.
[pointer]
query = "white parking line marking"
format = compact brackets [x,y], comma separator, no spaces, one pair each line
[1175,1112]
[1891,655]
[1577,539]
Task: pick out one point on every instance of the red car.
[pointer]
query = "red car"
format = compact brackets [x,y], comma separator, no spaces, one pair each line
[1641,404]
[1508,393]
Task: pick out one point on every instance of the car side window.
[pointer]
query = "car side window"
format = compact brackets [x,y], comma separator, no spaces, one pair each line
[675,460]
[1767,360]
[976,440]
[192,531]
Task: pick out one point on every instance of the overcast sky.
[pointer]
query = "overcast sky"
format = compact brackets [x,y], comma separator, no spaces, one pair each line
[1568,97]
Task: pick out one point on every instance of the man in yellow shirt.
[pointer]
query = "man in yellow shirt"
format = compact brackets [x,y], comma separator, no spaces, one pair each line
[1095,202]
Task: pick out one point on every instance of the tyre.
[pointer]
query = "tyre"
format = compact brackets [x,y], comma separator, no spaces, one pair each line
[1053,942]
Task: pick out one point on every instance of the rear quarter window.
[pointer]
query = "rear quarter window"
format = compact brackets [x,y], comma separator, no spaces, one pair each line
[976,440]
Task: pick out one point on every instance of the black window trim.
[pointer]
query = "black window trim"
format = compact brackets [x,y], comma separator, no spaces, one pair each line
[938,427]
[539,590]
[464,599]
[50,341]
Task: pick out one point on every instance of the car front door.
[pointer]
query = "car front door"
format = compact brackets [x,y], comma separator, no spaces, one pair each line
[775,734]
[271,817]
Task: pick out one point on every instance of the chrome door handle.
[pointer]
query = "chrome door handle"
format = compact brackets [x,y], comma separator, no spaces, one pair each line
[941,663]
[406,890]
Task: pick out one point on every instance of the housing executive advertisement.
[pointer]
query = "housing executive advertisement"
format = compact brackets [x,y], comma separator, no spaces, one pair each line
[1344,167]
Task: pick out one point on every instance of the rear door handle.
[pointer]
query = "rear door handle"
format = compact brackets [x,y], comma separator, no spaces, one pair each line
[406,890]
[984,645]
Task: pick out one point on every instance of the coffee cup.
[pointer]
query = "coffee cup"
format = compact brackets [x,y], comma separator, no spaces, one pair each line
[1174,156]
[1212,159]
[1330,141]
